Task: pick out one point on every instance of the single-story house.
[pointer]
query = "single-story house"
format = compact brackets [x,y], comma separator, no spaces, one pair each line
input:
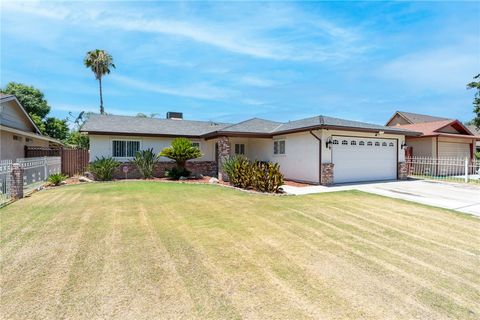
[317,150]
[18,130]
[440,137]
[476,131]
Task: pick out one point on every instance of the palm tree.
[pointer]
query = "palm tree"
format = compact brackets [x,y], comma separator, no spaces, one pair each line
[100,62]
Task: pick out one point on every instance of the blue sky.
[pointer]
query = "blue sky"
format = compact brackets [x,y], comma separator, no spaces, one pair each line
[229,61]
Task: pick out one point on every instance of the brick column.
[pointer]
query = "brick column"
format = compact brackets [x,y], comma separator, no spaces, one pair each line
[402,171]
[16,181]
[327,174]
[223,153]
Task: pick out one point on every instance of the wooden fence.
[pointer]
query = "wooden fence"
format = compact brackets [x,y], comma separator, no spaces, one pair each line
[74,161]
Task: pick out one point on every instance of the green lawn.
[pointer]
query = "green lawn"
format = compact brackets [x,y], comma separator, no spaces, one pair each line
[145,250]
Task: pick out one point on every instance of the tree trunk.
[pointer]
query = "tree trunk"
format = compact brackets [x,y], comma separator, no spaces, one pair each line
[181,164]
[102,111]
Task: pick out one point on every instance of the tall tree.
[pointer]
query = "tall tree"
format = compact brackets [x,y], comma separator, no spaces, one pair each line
[476,99]
[30,98]
[100,62]
[56,128]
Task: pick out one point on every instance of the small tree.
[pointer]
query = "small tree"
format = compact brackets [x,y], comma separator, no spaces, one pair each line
[181,151]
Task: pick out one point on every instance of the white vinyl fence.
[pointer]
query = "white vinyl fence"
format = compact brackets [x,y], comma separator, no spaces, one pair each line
[35,173]
[447,169]
[5,176]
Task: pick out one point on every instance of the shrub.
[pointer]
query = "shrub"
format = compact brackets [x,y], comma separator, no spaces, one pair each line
[267,177]
[145,161]
[103,168]
[175,173]
[239,171]
[261,176]
[57,178]
[181,151]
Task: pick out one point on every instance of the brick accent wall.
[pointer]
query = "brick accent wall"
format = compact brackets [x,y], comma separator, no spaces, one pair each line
[327,174]
[207,168]
[16,186]
[223,154]
[402,171]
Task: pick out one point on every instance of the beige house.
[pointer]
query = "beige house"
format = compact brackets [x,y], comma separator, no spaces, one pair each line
[17,130]
[440,138]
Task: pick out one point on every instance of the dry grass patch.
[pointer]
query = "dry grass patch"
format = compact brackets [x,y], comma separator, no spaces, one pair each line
[144,250]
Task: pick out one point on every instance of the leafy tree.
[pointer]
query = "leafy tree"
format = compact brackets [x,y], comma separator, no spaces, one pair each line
[30,98]
[38,122]
[181,151]
[56,128]
[75,138]
[100,62]
[476,100]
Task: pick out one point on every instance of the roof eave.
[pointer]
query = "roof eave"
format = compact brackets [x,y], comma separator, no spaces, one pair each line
[139,134]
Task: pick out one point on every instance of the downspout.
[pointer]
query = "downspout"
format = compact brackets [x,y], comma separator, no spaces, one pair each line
[319,156]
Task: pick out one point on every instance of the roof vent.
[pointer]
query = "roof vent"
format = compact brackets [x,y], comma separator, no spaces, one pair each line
[174,115]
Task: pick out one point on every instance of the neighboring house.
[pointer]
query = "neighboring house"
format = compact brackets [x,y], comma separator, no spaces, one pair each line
[476,131]
[440,138]
[319,150]
[17,130]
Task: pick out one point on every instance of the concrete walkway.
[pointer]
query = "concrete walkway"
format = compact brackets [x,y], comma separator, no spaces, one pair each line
[460,197]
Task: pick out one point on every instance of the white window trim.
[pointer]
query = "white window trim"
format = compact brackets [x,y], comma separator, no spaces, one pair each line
[199,144]
[244,148]
[273,147]
[140,147]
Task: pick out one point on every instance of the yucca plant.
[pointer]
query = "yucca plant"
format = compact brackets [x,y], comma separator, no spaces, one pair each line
[57,178]
[145,162]
[267,176]
[103,168]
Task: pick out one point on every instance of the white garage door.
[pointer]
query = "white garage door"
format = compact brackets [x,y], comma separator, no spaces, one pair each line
[453,150]
[363,159]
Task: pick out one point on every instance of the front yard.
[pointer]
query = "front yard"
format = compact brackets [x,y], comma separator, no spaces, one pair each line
[144,250]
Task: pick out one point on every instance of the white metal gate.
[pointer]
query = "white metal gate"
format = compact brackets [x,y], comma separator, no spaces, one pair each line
[5,176]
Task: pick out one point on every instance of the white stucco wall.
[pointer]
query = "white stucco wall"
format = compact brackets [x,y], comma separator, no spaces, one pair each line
[301,159]
[101,146]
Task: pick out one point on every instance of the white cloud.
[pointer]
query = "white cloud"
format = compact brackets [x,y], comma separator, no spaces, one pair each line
[257,81]
[199,90]
[265,38]
[447,68]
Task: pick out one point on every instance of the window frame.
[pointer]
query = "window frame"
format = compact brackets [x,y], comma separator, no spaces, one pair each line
[240,146]
[126,157]
[277,147]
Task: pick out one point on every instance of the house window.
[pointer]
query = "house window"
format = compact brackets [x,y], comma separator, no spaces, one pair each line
[353,143]
[28,140]
[377,144]
[196,145]
[239,148]
[384,144]
[361,143]
[279,147]
[335,141]
[369,143]
[125,148]
[344,142]
[391,144]
[17,138]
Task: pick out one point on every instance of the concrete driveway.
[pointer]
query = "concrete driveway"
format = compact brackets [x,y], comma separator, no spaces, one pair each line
[460,197]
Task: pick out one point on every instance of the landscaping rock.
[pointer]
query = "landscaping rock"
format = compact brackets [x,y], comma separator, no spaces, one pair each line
[84,179]
[183,178]
[213,180]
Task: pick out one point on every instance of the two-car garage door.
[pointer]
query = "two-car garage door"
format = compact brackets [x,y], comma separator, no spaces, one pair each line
[363,159]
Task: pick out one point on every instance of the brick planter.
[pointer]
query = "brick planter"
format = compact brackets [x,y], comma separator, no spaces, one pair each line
[402,171]
[207,168]
[327,174]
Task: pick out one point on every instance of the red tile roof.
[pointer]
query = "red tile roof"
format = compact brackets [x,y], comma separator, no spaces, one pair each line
[431,128]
